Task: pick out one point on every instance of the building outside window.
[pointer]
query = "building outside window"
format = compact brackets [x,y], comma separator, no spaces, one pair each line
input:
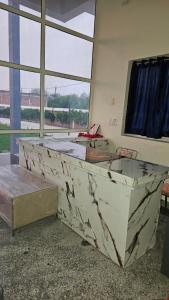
[45,67]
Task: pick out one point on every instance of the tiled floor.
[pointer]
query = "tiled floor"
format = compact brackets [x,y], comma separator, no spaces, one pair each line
[47,260]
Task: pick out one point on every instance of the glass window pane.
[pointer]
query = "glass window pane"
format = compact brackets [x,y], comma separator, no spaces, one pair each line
[68,54]
[8,143]
[19,99]
[22,45]
[4,141]
[32,7]
[67,103]
[77,15]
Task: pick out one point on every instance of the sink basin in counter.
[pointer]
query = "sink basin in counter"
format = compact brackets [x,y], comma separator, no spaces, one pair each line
[132,168]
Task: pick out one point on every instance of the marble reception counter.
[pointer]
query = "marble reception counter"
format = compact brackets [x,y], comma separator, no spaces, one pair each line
[97,143]
[112,203]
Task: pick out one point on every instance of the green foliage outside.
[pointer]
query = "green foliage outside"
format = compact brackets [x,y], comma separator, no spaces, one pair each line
[66,118]
[50,116]
[69,101]
[30,114]
[4,139]
[5,112]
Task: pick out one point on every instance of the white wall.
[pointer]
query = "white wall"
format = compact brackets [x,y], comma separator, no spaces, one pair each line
[125,32]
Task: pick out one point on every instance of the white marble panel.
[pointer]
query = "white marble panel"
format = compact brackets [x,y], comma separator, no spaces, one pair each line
[143,219]
[117,212]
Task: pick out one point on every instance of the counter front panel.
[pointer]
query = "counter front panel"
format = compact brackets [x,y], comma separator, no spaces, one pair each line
[117,212]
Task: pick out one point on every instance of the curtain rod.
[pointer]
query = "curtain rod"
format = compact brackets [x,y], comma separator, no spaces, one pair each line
[153,59]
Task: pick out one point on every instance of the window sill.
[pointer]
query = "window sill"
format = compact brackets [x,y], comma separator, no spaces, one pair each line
[162,140]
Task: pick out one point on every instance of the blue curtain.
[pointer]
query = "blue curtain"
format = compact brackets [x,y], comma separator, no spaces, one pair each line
[148,100]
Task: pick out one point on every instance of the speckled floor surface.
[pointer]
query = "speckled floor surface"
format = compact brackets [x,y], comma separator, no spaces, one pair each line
[46,260]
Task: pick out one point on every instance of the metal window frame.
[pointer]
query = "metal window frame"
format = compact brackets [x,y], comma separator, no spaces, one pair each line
[43,72]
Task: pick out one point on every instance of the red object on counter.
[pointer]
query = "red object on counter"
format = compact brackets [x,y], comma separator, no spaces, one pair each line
[90,136]
[92,133]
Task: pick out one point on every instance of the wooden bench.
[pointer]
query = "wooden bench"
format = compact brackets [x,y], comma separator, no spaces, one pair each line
[25,197]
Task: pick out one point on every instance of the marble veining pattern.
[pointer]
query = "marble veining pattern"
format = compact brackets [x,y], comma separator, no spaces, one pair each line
[117,212]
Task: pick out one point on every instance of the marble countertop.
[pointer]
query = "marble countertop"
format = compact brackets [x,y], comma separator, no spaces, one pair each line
[37,140]
[134,169]
[75,150]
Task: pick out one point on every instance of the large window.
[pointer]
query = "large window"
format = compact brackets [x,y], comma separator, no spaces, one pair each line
[67,103]
[45,65]
[19,103]
[148,98]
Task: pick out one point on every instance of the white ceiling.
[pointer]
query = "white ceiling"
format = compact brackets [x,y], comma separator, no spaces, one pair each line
[64,10]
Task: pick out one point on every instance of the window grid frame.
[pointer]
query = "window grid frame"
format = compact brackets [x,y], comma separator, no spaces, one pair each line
[43,72]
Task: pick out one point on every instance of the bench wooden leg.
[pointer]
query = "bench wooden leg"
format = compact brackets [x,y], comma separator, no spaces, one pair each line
[164,206]
[165,257]
[13,232]
[1,293]
[165,201]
